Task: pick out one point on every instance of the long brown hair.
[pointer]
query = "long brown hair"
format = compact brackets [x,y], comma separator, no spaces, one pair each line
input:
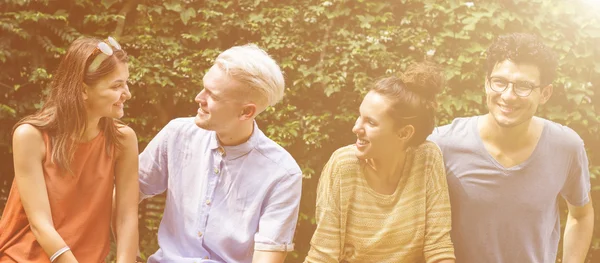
[63,116]
[413,97]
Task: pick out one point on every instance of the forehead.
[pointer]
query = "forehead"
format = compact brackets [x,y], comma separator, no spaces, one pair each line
[375,105]
[516,72]
[120,73]
[217,81]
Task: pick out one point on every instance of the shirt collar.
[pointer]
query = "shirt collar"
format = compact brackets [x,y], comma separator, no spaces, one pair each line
[234,152]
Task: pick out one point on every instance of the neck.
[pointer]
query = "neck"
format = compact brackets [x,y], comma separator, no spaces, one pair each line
[387,168]
[237,135]
[506,137]
[91,130]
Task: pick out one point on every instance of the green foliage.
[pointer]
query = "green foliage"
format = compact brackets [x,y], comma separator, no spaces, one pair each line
[329,50]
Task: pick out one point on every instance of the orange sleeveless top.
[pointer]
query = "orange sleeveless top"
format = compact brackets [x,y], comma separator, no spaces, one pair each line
[80,203]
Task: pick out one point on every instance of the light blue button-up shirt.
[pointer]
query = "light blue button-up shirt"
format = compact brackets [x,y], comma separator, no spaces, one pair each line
[223,203]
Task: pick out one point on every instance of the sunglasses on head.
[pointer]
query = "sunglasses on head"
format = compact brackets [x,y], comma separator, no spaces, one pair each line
[104,47]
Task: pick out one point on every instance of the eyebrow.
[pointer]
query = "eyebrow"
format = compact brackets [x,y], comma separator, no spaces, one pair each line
[370,119]
[119,81]
[502,77]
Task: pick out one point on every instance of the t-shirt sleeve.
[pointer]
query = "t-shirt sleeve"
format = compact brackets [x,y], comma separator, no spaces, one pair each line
[440,136]
[577,186]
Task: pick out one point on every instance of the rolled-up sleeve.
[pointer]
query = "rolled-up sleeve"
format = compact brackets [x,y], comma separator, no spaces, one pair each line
[153,162]
[277,224]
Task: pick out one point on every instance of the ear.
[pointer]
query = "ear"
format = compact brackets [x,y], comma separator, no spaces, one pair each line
[248,111]
[84,93]
[545,94]
[406,132]
[486,87]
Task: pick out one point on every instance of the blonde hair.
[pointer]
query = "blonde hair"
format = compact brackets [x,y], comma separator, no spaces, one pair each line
[254,68]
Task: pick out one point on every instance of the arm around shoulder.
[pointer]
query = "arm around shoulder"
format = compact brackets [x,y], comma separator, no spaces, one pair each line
[29,152]
[153,163]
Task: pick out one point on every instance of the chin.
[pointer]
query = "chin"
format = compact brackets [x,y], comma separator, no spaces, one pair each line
[202,123]
[505,122]
[115,115]
[361,154]
[199,122]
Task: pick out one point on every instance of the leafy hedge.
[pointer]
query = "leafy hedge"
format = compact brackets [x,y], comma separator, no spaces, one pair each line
[329,50]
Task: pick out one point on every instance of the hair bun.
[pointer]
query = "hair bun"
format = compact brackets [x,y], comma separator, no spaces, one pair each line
[425,79]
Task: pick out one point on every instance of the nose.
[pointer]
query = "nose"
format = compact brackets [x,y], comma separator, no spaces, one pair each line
[357,128]
[127,93]
[509,93]
[200,98]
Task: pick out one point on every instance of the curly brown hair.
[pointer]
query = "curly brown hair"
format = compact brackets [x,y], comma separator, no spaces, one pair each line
[523,48]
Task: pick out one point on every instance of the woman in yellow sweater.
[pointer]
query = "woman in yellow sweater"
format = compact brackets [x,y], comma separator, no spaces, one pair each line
[385,198]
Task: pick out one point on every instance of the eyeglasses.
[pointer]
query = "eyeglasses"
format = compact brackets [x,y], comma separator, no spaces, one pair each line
[520,88]
[106,50]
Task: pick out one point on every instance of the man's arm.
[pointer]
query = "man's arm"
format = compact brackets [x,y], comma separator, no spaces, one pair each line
[153,164]
[278,222]
[269,256]
[578,232]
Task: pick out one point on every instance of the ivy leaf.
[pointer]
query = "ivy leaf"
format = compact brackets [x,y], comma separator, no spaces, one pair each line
[108,3]
[173,6]
[6,109]
[187,14]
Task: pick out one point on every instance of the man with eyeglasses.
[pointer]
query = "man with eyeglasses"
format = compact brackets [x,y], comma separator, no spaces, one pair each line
[506,169]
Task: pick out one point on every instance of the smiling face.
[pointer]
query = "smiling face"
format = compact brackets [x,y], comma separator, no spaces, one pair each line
[107,96]
[506,108]
[376,132]
[220,108]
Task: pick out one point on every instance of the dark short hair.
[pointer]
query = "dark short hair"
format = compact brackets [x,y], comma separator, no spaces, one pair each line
[523,48]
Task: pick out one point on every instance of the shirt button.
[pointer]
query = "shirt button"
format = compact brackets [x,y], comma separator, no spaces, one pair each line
[216,170]
[208,202]
[206,257]
[221,151]
[199,234]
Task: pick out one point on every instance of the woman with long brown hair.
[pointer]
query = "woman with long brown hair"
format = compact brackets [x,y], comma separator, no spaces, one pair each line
[385,198]
[68,157]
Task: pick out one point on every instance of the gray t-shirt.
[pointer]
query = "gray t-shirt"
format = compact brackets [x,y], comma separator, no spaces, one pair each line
[510,215]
